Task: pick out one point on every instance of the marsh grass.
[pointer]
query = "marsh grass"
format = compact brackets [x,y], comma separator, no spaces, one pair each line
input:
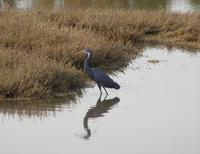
[41,51]
[179,29]
[38,58]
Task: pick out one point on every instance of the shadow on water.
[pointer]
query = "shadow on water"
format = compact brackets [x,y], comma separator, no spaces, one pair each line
[101,107]
[39,107]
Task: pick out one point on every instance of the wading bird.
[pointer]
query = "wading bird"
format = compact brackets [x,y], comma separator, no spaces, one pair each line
[101,78]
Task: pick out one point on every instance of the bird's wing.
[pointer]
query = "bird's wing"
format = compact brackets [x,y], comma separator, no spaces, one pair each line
[103,79]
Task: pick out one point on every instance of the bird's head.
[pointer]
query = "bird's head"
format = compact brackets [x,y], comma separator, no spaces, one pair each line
[87,51]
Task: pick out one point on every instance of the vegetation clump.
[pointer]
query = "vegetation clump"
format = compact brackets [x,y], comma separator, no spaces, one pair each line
[41,51]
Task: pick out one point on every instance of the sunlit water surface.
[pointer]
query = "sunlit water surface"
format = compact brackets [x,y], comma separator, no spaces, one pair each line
[156,111]
[173,5]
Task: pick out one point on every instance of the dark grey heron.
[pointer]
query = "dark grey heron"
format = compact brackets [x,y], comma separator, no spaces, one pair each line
[101,78]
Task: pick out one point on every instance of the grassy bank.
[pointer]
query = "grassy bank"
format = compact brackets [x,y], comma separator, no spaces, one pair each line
[41,51]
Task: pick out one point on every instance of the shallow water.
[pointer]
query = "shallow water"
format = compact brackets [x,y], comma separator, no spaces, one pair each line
[173,5]
[155,111]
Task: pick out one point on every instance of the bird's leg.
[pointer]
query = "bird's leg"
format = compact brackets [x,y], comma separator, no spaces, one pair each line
[105,98]
[105,91]
[99,100]
[100,89]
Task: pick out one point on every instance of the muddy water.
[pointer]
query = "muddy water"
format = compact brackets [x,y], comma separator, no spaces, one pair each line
[174,5]
[156,111]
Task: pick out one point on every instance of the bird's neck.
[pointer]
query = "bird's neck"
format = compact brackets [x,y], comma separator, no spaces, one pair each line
[87,61]
[87,66]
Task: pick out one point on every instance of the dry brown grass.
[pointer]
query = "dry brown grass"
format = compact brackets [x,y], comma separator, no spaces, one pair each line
[135,25]
[38,58]
[28,75]
[40,52]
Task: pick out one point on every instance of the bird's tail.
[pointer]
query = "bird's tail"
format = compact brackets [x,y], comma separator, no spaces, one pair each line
[116,85]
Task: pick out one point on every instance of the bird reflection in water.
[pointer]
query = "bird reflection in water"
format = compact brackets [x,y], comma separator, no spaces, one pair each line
[96,111]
